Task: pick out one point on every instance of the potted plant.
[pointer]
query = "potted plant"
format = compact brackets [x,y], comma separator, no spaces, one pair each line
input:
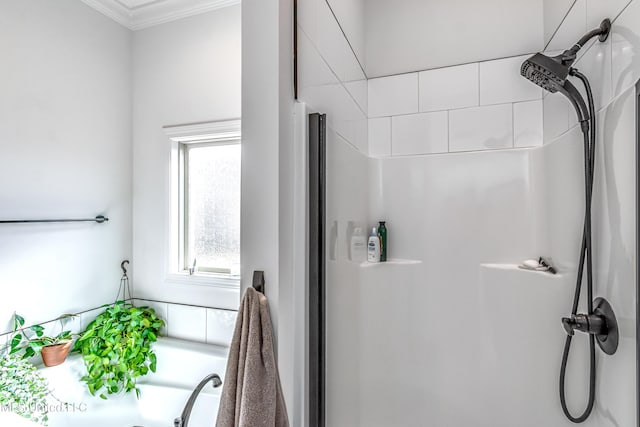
[53,349]
[116,348]
[23,390]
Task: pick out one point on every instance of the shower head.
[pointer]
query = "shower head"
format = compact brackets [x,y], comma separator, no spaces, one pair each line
[547,72]
[551,73]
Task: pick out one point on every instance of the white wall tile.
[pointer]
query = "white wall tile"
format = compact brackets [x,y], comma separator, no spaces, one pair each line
[352,18]
[595,63]
[481,128]
[359,90]
[450,87]
[334,47]
[73,324]
[501,82]
[321,90]
[186,322]
[527,124]
[554,11]
[380,137]
[419,133]
[161,308]
[626,49]
[308,17]
[556,115]
[220,326]
[572,28]
[394,95]
[597,10]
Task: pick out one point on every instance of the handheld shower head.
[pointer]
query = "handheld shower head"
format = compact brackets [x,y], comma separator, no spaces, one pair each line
[547,72]
[551,73]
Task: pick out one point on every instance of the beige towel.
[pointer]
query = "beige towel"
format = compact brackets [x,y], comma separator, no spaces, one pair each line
[251,393]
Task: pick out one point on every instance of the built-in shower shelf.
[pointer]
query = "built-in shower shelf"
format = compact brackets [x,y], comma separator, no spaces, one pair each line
[514,268]
[390,262]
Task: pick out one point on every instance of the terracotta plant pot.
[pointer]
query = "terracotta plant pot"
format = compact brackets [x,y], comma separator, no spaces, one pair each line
[54,355]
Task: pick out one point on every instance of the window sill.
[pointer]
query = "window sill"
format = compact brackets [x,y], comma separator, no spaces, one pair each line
[203,279]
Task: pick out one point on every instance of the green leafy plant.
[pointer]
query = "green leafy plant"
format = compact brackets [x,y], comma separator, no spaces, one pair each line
[116,348]
[29,346]
[23,390]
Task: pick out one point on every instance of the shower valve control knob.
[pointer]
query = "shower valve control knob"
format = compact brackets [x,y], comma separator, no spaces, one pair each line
[602,324]
[588,323]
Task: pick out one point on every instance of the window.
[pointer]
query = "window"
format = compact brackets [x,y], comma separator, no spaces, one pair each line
[212,206]
[205,203]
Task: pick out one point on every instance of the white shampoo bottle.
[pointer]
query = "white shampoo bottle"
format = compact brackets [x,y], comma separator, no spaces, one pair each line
[373,247]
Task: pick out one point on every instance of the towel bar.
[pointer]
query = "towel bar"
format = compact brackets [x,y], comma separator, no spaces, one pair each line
[99,219]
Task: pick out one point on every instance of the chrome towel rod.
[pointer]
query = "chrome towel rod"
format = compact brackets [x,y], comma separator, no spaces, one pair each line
[99,219]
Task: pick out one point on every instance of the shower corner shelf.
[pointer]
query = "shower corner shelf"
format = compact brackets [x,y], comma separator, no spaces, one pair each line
[390,262]
[516,269]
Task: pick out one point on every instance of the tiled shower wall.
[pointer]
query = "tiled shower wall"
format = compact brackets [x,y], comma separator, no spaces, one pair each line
[193,323]
[612,67]
[471,107]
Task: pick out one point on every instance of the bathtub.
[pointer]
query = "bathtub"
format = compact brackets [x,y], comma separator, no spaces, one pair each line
[181,366]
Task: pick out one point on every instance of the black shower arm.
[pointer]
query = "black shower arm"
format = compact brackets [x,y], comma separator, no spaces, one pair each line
[569,56]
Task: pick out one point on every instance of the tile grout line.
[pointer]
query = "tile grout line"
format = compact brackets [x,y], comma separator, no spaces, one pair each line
[391,136]
[479,81]
[340,82]
[520,101]
[448,132]
[513,125]
[555,32]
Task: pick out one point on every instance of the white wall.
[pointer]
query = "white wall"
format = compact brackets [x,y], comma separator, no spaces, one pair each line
[554,13]
[412,35]
[187,71]
[65,121]
[613,69]
[351,15]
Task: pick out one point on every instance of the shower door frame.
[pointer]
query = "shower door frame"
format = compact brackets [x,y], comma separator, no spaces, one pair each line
[317,151]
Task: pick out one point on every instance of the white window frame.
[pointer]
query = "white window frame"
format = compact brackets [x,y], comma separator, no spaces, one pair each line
[214,133]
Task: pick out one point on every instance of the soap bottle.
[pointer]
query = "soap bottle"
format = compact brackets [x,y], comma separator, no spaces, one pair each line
[358,245]
[382,232]
[373,247]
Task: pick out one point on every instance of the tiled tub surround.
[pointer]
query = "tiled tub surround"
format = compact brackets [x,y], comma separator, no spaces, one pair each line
[612,67]
[187,322]
[471,107]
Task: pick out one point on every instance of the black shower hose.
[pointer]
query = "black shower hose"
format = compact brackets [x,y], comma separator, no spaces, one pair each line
[585,258]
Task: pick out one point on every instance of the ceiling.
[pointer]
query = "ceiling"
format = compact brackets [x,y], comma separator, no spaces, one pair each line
[139,14]
[411,35]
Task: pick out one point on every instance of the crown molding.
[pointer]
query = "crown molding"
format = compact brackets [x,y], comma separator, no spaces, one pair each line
[157,12]
[113,10]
